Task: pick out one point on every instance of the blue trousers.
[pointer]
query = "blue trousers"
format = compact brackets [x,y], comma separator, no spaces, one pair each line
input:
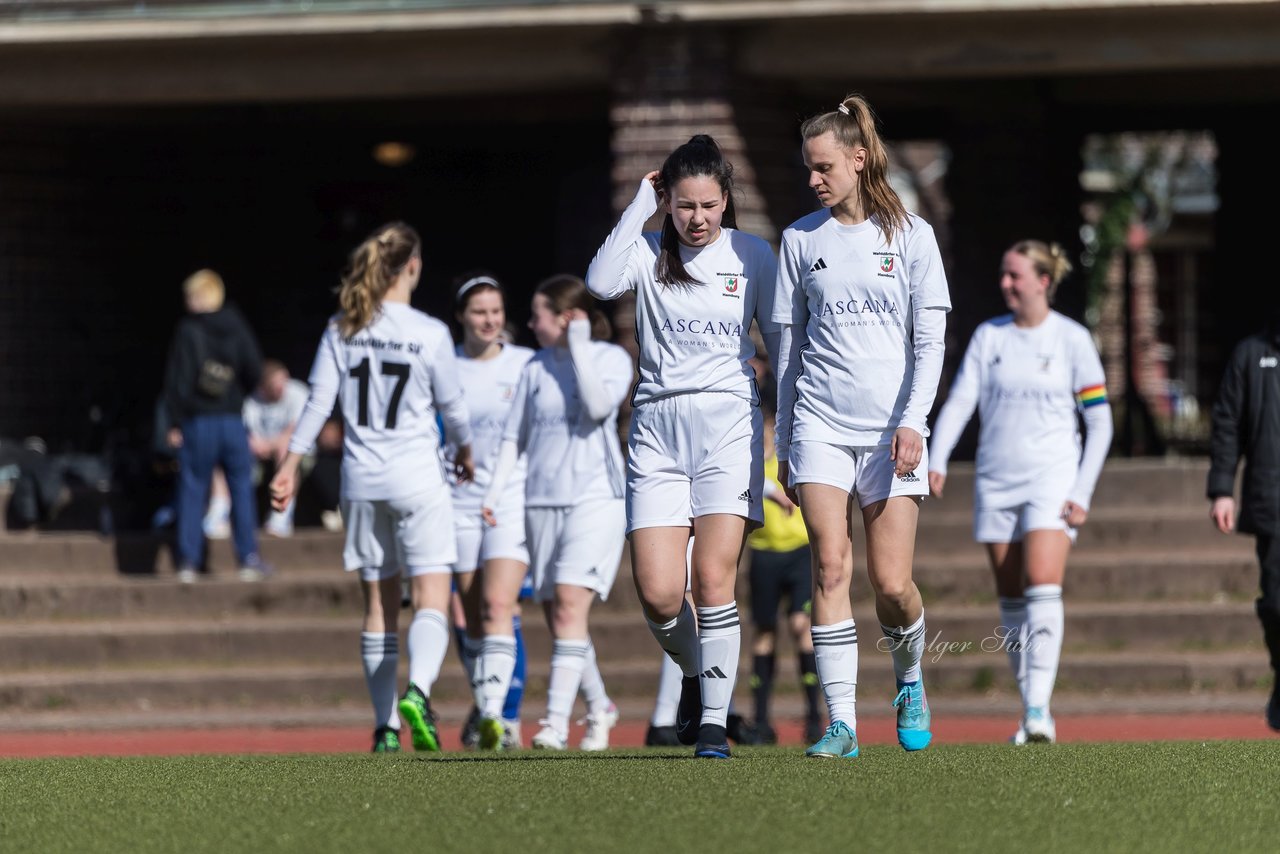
[209,440]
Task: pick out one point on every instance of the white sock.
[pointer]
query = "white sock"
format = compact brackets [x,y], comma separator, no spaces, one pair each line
[381,655]
[568,658]
[679,638]
[471,648]
[496,665]
[428,642]
[835,651]
[668,700]
[720,642]
[907,648]
[1013,618]
[593,683]
[1044,642]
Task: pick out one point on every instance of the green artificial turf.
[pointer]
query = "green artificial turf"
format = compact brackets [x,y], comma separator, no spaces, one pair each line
[1168,796]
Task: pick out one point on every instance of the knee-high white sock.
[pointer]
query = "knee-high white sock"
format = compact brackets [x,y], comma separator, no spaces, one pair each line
[679,638]
[593,690]
[1044,642]
[469,652]
[720,643]
[835,652]
[381,655]
[497,664]
[906,645]
[568,658]
[428,642]
[668,700]
[1013,617]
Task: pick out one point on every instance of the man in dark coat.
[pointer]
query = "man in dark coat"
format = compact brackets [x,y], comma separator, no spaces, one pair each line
[214,362]
[1246,423]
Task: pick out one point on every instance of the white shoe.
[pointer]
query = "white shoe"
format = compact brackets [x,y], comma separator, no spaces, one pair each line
[511,735]
[217,529]
[1039,727]
[598,726]
[548,739]
[279,525]
[331,520]
[1019,738]
[187,575]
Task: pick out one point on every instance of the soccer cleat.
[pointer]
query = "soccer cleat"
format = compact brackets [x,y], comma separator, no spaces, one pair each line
[813,730]
[913,717]
[470,729]
[1019,738]
[548,739]
[689,712]
[661,736]
[742,731]
[598,726]
[1039,727]
[415,708]
[838,742]
[511,735]
[386,740]
[491,732]
[713,743]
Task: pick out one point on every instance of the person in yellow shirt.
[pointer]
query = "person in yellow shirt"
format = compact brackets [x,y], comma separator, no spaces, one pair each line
[780,565]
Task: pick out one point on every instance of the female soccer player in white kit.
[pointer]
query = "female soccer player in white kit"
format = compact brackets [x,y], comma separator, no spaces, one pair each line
[863,299]
[392,368]
[494,558]
[564,418]
[1028,373]
[696,454]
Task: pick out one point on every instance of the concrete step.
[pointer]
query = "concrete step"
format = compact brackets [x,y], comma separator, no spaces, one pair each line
[1142,482]
[207,644]
[1229,573]
[325,687]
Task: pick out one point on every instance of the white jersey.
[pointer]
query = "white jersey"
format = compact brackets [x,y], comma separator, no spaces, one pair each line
[1028,385]
[864,307]
[266,419]
[571,458]
[390,377]
[692,337]
[490,388]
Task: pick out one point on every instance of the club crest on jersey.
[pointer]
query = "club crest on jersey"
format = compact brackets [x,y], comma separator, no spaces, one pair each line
[732,283]
[886,264]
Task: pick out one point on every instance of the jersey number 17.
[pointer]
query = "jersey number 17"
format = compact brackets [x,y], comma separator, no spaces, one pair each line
[360,373]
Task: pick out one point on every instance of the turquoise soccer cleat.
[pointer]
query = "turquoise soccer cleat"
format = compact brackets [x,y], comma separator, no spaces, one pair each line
[913,717]
[838,742]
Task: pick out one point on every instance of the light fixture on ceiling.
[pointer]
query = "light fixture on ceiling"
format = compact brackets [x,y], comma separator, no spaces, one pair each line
[393,154]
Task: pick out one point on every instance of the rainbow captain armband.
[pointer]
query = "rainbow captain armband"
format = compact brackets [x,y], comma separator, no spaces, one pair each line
[1092,396]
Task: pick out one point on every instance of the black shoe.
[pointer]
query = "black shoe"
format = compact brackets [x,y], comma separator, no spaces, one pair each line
[713,743]
[741,731]
[689,712]
[470,730]
[813,731]
[661,736]
[1273,706]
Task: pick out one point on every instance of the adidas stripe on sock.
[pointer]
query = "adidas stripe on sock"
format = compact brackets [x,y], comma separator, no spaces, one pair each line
[1013,618]
[568,659]
[906,645]
[1043,642]
[497,663]
[428,641]
[679,637]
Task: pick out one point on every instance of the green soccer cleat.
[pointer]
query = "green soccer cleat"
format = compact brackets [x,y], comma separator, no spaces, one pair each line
[914,719]
[386,740]
[415,708]
[838,742]
[492,733]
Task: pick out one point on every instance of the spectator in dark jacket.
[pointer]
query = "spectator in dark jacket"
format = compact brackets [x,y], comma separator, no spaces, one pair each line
[1246,423]
[214,362]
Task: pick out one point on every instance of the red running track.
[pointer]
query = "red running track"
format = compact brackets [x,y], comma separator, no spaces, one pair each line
[956,730]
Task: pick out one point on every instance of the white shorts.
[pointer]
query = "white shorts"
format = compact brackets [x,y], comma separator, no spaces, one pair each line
[1004,512]
[1010,524]
[693,455]
[580,546]
[863,471]
[413,534]
[479,543]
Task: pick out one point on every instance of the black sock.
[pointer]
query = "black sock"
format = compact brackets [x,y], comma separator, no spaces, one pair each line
[762,684]
[809,681]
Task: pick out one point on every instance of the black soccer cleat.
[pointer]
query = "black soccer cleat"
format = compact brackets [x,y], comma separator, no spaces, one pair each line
[661,736]
[713,743]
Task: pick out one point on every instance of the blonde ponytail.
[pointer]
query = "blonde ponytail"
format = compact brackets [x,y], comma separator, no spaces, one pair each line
[1048,259]
[371,270]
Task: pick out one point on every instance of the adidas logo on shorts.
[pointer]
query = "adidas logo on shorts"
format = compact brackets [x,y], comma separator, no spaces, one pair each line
[818,265]
[745,496]
[909,477]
